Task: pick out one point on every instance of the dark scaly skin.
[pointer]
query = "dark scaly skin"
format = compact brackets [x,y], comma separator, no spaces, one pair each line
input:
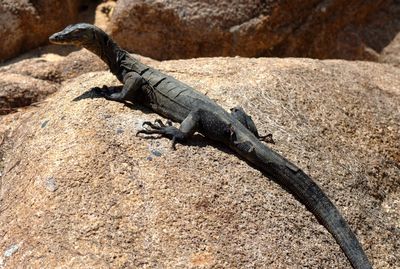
[197,113]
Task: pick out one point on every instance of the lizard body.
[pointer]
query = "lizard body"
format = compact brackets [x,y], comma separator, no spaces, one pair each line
[198,113]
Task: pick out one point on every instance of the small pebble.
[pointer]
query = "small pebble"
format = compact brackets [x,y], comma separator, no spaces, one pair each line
[156,153]
[51,184]
[11,250]
[44,123]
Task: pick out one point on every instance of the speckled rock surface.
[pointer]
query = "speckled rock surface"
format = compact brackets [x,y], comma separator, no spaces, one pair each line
[79,189]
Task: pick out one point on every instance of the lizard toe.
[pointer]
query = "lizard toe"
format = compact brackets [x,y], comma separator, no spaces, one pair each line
[159,122]
[151,125]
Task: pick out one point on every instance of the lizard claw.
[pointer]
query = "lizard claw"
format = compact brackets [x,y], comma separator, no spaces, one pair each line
[267,138]
[154,128]
[173,144]
[144,131]
[159,122]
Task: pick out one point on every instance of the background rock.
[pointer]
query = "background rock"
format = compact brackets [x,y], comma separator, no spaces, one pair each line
[27,24]
[79,189]
[103,13]
[30,79]
[19,91]
[318,29]
[391,54]
[49,65]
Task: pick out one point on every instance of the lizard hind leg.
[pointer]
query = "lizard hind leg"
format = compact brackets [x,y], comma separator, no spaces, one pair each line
[245,119]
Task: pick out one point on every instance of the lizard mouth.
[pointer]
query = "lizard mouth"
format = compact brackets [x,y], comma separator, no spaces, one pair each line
[56,39]
[60,39]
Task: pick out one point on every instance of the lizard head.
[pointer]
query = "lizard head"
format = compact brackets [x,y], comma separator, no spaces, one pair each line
[92,38]
[80,34]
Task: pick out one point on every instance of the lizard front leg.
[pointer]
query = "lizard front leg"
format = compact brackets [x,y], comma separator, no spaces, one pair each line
[133,82]
[187,128]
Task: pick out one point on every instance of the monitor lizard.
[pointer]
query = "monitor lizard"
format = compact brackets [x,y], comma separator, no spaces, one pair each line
[196,112]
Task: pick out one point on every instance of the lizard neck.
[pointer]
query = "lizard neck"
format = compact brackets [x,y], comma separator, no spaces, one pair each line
[107,50]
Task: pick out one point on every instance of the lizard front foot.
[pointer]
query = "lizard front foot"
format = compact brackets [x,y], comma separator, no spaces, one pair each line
[103,91]
[167,130]
[109,93]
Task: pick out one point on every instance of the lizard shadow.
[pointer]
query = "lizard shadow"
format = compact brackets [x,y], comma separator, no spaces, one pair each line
[201,141]
[197,140]
[93,93]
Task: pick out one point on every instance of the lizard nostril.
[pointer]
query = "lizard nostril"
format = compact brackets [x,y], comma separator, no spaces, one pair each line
[53,37]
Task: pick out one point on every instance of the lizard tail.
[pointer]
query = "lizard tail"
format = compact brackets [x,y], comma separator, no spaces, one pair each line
[310,194]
